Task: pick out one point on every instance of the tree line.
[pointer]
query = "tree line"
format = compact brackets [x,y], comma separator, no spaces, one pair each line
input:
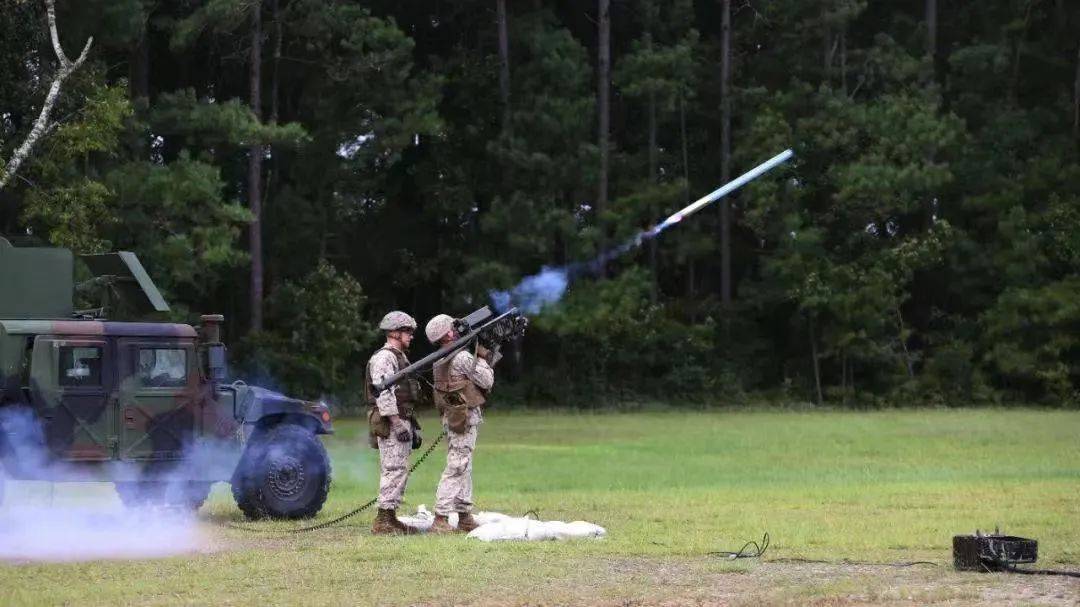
[304,166]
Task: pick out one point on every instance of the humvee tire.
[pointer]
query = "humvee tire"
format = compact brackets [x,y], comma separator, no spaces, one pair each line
[284,474]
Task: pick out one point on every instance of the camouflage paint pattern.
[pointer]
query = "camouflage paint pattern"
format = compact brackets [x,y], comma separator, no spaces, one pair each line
[110,392]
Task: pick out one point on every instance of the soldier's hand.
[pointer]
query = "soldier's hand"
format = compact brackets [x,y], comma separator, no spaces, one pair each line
[481,351]
[401,429]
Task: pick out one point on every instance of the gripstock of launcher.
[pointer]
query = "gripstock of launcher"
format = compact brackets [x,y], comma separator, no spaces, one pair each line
[481,326]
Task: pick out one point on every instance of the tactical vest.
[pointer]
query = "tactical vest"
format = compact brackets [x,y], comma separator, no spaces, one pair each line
[455,390]
[406,392]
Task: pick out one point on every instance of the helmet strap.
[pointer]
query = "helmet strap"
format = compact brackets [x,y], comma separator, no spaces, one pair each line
[394,338]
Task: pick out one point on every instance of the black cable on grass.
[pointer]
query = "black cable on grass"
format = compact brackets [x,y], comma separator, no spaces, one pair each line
[1008,569]
[1075,574]
[759,549]
[742,553]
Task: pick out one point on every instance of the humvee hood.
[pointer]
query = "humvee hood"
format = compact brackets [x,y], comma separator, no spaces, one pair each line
[260,402]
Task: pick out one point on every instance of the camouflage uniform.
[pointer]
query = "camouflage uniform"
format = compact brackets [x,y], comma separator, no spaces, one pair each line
[455,487]
[393,454]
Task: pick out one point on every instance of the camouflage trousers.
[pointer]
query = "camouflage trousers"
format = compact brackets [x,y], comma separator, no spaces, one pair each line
[393,471]
[455,487]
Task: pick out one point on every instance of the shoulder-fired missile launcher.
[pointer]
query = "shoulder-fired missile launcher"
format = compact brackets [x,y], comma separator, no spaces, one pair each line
[143,404]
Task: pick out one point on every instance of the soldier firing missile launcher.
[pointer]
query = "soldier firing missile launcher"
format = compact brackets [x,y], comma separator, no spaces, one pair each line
[481,326]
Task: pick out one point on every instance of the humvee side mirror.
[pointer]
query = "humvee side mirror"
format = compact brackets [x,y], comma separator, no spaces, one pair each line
[217,365]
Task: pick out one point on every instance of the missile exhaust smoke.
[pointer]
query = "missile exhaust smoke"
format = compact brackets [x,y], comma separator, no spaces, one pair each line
[550,284]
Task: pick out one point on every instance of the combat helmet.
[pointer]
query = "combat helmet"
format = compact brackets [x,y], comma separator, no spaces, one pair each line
[396,321]
[438,326]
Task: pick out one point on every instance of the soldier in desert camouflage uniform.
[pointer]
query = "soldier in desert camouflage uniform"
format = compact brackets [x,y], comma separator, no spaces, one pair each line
[389,416]
[462,382]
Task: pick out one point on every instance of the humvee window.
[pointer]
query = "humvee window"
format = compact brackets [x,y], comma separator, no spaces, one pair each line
[80,366]
[163,367]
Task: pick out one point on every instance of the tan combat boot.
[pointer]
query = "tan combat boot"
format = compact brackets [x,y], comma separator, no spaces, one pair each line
[387,523]
[466,522]
[441,525]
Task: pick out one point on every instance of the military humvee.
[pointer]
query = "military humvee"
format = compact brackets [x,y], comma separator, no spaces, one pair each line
[145,405]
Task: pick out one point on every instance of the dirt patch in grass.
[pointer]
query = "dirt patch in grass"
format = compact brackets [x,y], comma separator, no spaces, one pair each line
[666,583]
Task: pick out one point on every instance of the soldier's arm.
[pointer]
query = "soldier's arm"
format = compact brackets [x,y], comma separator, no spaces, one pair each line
[383,365]
[476,369]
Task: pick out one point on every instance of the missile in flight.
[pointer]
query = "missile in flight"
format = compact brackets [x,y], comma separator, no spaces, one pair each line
[722,191]
[547,287]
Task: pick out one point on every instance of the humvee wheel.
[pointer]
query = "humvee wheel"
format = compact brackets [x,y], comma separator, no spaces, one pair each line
[284,473]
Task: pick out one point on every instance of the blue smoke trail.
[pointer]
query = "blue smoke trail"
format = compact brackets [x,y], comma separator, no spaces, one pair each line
[550,284]
[534,292]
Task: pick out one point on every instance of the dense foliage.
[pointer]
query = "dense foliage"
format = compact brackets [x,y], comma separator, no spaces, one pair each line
[923,248]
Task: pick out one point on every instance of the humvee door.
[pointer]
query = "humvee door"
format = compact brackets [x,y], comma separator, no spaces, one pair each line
[158,395]
[71,381]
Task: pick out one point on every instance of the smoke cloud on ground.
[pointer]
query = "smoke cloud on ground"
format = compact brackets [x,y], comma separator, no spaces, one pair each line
[42,520]
[92,529]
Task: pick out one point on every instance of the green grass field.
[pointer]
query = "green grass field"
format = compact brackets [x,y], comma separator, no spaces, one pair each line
[669,487]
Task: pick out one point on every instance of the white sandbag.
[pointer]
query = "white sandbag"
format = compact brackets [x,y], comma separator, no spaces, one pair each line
[495,526]
[582,529]
[483,518]
[526,529]
[422,520]
[512,529]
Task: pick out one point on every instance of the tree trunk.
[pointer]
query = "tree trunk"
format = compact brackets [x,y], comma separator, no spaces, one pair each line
[504,63]
[1014,84]
[931,29]
[826,45]
[653,152]
[139,67]
[843,61]
[932,38]
[843,378]
[1076,99]
[41,124]
[603,85]
[653,265]
[816,362]
[725,151]
[653,269]
[686,185]
[685,149]
[255,157]
[139,85]
[903,345]
[275,82]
